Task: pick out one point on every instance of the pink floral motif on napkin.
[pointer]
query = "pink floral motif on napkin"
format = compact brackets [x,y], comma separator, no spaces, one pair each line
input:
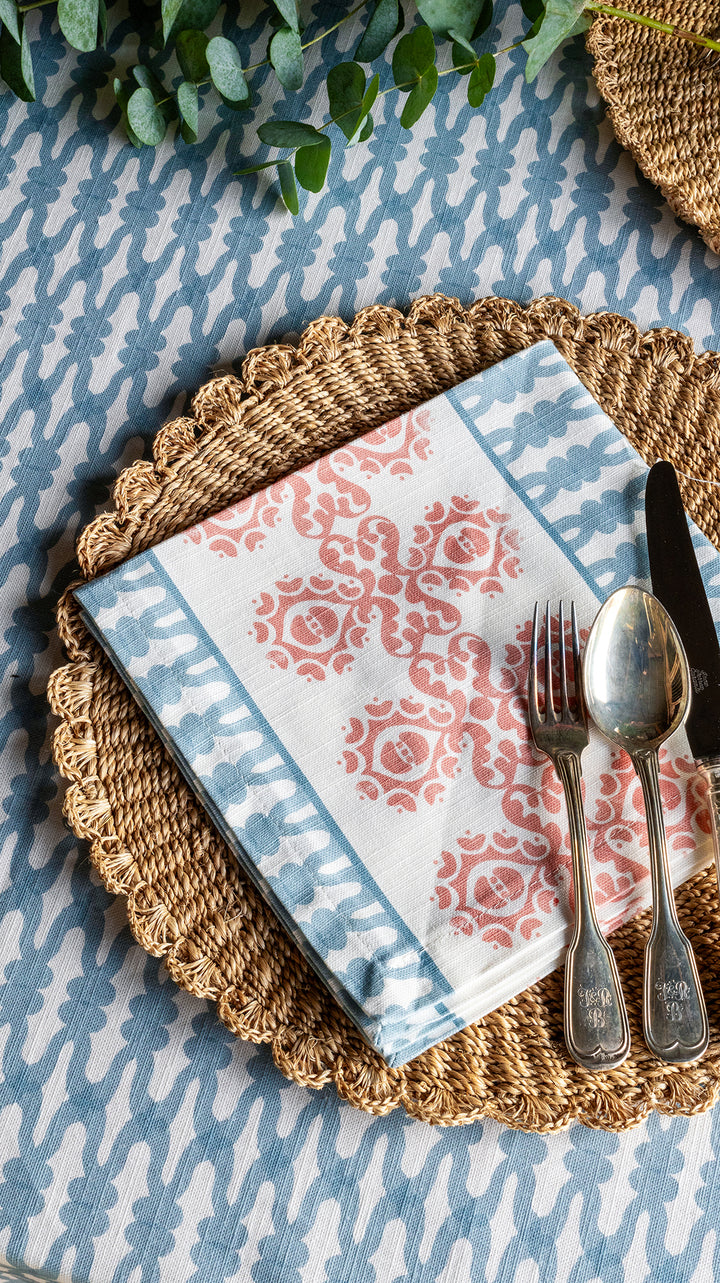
[499,883]
[393,447]
[456,707]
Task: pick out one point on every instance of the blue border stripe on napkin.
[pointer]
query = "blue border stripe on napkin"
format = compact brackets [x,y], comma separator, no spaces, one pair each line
[533,421]
[524,498]
[189,672]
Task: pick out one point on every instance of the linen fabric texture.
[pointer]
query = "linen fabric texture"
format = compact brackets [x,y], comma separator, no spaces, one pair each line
[339,663]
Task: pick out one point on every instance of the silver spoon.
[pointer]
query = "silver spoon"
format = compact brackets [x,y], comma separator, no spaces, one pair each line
[637,690]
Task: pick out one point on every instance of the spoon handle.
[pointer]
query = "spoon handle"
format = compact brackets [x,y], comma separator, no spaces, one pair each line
[596,1024]
[674,1015]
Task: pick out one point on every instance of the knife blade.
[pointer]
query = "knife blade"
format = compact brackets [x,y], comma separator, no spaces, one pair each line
[677,583]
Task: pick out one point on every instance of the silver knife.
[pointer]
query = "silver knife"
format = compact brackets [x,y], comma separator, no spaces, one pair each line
[677,582]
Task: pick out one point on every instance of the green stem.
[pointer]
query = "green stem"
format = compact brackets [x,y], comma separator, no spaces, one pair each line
[323,34]
[668,28]
[465,66]
[509,48]
[199,84]
[37,4]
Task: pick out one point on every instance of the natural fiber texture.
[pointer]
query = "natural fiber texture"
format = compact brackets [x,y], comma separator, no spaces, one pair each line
[663,96]
[150,839]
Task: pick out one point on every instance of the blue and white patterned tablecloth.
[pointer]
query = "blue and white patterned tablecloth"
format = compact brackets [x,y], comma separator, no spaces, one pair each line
[139,1142]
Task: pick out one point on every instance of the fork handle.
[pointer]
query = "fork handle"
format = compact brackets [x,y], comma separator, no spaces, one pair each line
[597,1032]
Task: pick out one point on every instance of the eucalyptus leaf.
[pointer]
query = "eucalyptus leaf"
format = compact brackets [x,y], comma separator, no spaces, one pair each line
[533,9]
[145,118]
[287,186]
[190,48]
[414,55]
[16,63]
[169,10]
[380,30]
[346,88]
[289,133]
[362,132]
[463,55]
[226,69]
[287,58]
[366,130]
[419,98]
[195,14]
[9,18]
[582,25]
[187,101]
[78,21]
[443,16]
[122,94]
[462,62]
[311,165]
[482,79]
[289,12]
[240,105]
[255,169]
[371,94]
[560,19]
[148,80]
[483,22]
[460,40]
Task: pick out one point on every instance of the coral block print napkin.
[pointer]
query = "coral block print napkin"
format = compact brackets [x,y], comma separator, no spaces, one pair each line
[339,664]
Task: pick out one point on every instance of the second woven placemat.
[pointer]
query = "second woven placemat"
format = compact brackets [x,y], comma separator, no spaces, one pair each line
[150,839]
[663,97]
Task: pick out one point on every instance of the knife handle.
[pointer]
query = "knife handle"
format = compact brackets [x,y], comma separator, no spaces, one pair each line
[709,768]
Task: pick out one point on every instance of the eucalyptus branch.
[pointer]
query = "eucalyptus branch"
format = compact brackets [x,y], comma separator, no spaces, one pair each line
[148,106]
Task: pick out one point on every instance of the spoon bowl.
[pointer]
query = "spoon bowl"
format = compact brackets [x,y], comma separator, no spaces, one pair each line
[637,681]
[637,690]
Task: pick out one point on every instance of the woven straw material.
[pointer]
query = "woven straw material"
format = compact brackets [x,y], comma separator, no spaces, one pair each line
[663,96]
[151,841]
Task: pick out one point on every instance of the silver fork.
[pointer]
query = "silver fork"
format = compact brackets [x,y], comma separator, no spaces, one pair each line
[596,1024]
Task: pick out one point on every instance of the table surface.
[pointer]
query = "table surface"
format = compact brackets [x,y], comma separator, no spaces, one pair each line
[138,1140]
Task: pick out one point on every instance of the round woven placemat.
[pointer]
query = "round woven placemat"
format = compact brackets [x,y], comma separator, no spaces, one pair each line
[151,841]
[663,96]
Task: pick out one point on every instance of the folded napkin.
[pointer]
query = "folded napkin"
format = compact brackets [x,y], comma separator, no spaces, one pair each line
[339,666]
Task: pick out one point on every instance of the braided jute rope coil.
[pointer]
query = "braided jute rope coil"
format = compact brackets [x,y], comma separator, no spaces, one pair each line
[152,843]
[663,97]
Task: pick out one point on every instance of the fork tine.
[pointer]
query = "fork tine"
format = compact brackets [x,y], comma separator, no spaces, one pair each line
[532,674]
[577,666]
[562,656]
[549,702]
